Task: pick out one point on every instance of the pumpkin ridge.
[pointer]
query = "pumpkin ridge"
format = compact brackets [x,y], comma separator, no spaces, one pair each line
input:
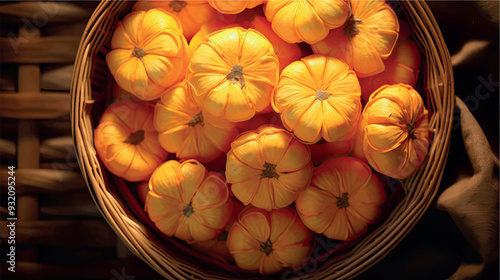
[268,224]
[222,55]
[295,81]
[277,238]
[205,207]
[131,161]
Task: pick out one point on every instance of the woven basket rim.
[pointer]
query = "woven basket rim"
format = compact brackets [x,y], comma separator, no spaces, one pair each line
[420,189]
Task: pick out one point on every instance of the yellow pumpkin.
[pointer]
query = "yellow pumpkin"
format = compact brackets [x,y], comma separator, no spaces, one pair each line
[343,198]
[318,97]
[187,202]
[192,13]
[305,21]
[269,241]
[205,30]
[268,167]
[234,73]
[323,150]
[188,131]
[396,131]
[234,7]
[367,37]
[126,141]
[148,53]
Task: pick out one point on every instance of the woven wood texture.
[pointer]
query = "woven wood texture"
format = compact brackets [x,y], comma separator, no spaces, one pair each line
[88,101]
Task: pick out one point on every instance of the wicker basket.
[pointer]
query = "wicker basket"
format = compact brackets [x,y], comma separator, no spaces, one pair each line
[172,260]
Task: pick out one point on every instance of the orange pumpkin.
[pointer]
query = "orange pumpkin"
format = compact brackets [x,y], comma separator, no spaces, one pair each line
[286,52]
[318,97]
[192,14]
[269,241]
[148,53]
[396,131]
[305,21]
[120,94]
[187,202]
[188,131]
[205,30]
[218,247]
[322,151]
[403,66]
[268,168]
[234,73]
[367,37]
[234,7]
[127,142]
[343,198]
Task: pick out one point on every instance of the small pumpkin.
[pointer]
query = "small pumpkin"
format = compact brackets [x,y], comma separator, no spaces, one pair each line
[234,73]
[318,97]
[305,21]
[396,131]
[367,37]
[403,66]
[205,30]
[234,7]
[286,52]
[188,131]
[268,167]
[192,14]
[343,198]
[323,150]
[148,53]
[269,241]
[188,202]
[126,141]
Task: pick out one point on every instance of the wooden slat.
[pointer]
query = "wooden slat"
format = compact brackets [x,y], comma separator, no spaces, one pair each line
[57,77]
[74,233]
[40,14]
[51,49]
[59,148]
[33,180]
[34,105]
[74,204]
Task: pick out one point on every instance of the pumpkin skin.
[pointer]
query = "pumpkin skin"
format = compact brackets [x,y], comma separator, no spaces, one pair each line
[187,202]
[192,14]
[343,198]
[205,30]
[234,73]
[188,131]
[396,131]
[403,66]
[234,7]
[268,168]
[142,191]
[363,45]
[322,151]
[305,21]
[286,52]
[127,142]
[148,53]
[318,97]
[269,241]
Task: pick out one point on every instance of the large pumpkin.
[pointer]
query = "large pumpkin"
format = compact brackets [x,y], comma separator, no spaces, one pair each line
[127,142]
[191,13]
[396,131]
[234,73]
[367,37]
[268,241]
[234,7]
[268,167]
[187,202]
[188,131]
[305,21]
[318,97]
[148,53]
[343,198]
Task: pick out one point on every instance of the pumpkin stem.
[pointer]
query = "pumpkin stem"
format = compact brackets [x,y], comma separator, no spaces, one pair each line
[177,5]
[322,94]
[411,130]
[342,202]
[236,75]
[269,171]
[197,119]
[266,247]
[139,52]
[222,236]
[188,210]
[135,137]
[350,27]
